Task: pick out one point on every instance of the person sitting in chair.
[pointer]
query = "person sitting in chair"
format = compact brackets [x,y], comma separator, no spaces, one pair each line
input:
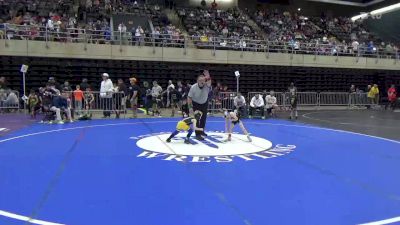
[270,103]
[240,104]
[60,104]
[257,104]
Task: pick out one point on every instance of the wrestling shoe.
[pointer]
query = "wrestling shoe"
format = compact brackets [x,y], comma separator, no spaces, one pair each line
[187,141]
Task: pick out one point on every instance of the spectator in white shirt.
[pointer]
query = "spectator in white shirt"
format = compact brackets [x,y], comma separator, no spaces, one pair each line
[156,91]
[354,46]
[257,104]
[122,28]
[170,86]
[106,92]
[225,31]
[270,103]
[139,35]
[240,104]
[50,24]
[11,100]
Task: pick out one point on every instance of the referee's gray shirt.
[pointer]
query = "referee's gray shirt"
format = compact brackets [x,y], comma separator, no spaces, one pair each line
[199,95]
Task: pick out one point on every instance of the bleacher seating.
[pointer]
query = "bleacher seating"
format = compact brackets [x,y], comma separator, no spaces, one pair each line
[211,22]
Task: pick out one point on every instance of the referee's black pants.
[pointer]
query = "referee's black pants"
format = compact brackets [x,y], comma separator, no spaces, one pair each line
[202,122]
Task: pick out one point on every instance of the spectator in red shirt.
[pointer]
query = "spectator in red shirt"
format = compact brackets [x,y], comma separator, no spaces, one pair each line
[392,96]
[78,99]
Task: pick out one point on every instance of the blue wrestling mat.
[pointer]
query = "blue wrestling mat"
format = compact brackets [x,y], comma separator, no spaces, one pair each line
[122,172]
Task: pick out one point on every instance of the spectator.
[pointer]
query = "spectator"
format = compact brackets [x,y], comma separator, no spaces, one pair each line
[123,89]
[78,99]
[147,97]
[3,83]
[60,104]
[257,104]
[174,98]
[240,104]
[392,96]
[168,89]
[33,103]
[84,84]
[156,98]
[373,94]
[12,99]
[354,46]
[371,47]
[66,87]
[293,101]
[271,104]
[139,35]
[54,83]
[117,100]
[181,92]
[352,89]
[3,97]
[352,95]
[134,95]
[122,28]
[89,99]
[106,93]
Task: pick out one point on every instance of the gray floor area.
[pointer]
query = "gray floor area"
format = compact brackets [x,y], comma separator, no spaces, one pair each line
[379,123]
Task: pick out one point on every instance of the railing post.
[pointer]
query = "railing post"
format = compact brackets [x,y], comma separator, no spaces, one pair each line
[85,39]
[184,45]
[242,48]
[337,55]
[358,54]
[214,48]
[291,55]
[315,52]
[120,41]
[154,43]
[5,35]
[47,37]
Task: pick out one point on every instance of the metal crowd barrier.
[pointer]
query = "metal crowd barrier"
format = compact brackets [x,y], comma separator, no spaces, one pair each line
[360,99]
[315,99]
[9,100]
[95,101]
[222,101]
[334,99]
[305,98]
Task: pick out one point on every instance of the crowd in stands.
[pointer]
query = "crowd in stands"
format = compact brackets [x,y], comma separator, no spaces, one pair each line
[324,35]
[215,25]
[89,20]
[8,97]
[354,35]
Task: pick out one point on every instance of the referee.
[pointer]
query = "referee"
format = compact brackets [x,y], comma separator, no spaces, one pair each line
[198,100]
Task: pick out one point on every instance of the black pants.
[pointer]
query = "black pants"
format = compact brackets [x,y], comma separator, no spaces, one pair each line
[242,112]
[107,106]
[252,110]
[202,122]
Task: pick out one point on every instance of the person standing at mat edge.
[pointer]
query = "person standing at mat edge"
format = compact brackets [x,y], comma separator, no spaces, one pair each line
[198,100]
[106,92]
